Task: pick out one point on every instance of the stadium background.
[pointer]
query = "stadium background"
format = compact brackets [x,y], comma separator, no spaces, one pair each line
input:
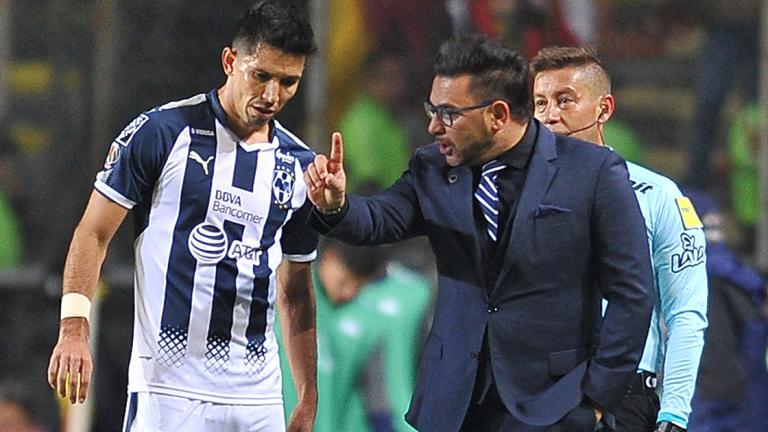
[73,72]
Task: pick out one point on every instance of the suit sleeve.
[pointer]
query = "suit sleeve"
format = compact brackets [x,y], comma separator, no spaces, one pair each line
[387,217]
[622,263]
[679,263]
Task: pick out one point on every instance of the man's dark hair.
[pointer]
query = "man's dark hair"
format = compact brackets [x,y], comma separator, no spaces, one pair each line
[364,261]
[496,72]
[282,24]
[557,57]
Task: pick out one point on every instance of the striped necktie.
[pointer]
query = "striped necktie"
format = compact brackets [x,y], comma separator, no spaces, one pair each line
[487,195]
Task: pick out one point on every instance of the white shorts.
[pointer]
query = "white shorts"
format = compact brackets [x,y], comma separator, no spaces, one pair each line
[152,412]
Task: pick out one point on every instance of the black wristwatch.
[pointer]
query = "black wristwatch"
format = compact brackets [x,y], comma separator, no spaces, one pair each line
[669,427]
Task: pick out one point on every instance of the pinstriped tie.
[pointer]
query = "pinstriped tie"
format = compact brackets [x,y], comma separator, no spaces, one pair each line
[487,195]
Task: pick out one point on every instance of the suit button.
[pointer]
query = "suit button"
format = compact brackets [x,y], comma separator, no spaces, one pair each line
[492,308]
[475,354]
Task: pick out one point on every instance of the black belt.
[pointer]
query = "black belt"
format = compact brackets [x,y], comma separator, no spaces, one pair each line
[643,383]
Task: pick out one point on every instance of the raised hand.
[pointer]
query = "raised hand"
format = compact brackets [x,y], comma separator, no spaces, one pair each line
[325,177]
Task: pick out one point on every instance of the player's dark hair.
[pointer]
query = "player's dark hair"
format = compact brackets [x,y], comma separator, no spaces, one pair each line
[496,72]
[282,24]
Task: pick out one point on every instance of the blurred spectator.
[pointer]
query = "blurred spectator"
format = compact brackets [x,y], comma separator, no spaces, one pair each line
[10,188]
[20,411]
[529,25]
[638,29]
[401,26]
[364,308]
[358,27]
[743,150]
[730,56]
[732,389]
[348,45]
[378,149]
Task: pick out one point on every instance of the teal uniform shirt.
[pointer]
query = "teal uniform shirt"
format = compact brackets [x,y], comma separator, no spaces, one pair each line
[677,245]
[387,316]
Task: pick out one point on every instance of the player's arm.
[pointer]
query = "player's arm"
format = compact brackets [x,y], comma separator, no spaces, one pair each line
[296,301]
[678,251]
[71,358]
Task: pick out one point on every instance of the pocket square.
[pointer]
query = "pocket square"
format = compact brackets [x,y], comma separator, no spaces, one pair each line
[547,209]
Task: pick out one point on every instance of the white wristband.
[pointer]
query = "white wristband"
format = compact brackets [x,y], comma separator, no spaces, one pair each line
[75,305]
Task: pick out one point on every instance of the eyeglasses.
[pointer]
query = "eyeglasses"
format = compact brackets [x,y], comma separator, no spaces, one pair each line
[447,115]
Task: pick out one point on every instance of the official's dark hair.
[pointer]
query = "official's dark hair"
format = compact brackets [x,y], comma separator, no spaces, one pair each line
[282,24]
[496,72]
[557,57]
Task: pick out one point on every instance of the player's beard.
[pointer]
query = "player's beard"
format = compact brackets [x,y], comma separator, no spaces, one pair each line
[254,119]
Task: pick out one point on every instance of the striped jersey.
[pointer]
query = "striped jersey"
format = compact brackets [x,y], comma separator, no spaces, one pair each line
[214,219]
[678,254]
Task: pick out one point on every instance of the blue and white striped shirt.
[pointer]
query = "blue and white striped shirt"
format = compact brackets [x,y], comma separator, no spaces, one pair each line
[214,219]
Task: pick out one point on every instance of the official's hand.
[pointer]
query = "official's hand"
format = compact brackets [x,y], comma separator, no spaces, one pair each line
[71,365]
[303,417]
[325,178]
[668,427]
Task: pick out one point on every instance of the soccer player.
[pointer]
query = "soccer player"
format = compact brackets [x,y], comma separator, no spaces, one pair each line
[572,96]
[219,201]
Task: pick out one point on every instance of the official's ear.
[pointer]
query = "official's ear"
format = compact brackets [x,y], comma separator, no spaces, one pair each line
[607,106]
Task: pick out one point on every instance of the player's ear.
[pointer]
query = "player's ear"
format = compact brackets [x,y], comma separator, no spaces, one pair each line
[228,56]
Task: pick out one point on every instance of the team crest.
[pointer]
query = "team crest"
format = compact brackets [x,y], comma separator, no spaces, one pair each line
[283,180]
[127,134]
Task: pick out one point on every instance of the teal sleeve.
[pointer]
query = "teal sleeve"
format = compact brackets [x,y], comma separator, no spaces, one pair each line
[679,265]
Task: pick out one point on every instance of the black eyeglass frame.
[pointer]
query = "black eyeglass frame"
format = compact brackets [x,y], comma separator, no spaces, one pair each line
[447,115]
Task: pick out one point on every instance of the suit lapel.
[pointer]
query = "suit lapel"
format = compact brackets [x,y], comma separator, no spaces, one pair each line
[541,172]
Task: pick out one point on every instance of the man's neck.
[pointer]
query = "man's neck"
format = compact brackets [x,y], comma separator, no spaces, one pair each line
[506,139]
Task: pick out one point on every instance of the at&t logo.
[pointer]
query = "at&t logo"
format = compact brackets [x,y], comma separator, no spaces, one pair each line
[208,243]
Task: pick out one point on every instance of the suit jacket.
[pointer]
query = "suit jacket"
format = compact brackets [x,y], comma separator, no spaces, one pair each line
[578,235]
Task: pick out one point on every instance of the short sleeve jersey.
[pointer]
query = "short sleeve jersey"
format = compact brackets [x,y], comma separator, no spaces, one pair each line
[214,218]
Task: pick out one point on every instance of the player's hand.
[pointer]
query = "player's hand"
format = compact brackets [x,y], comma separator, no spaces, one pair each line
[325,177]
[303,417]
[71,365]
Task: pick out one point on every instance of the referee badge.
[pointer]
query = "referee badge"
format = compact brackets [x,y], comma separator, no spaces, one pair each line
[688,213]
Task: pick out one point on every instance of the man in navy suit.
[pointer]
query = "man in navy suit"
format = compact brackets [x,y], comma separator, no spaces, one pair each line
[530,230]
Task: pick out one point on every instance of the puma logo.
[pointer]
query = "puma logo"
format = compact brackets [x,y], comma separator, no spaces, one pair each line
[203,163]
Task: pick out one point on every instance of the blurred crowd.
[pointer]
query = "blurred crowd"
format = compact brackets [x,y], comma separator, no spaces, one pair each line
[688,75]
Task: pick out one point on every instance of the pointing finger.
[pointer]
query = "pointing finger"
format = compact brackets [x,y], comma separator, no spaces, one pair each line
[337,148]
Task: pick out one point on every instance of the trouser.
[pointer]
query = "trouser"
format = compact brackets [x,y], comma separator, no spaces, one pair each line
[491,415]
[638,409]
